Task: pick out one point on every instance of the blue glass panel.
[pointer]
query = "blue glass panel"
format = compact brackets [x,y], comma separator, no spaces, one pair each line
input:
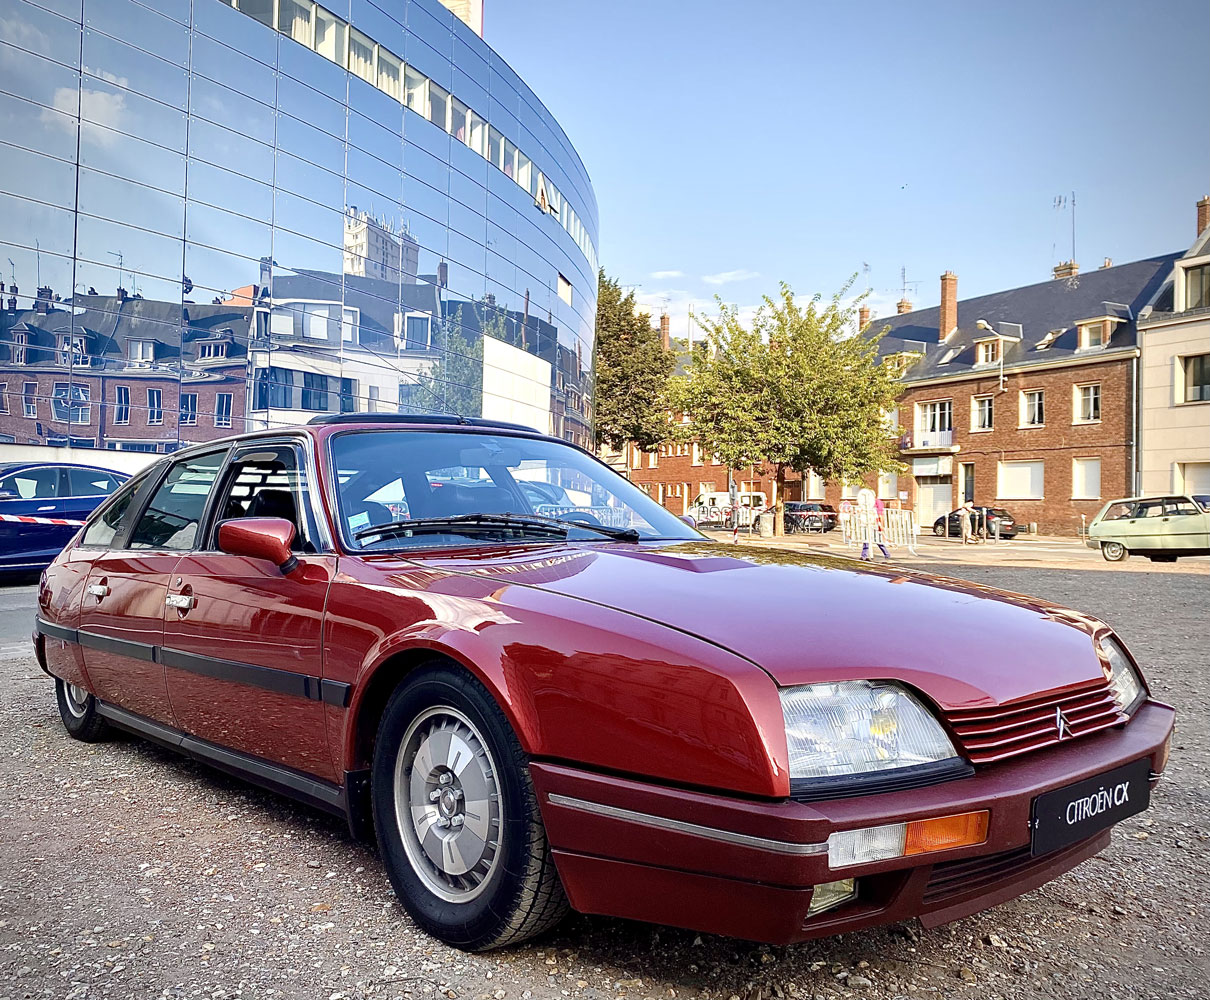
[41,32]
[221,146]
[106,104]
[309,105]
[231,109]
[133,249]
[150,31]
[233,69]
[120,200]
[125,156]
[212,185]
[37,79]
[38,128]
[300,139]
[308,180]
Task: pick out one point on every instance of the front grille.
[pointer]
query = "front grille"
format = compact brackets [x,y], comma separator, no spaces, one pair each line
[993,734]
[971,876]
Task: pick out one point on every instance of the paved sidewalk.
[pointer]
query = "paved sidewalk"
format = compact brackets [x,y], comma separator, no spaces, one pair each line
[1025,550]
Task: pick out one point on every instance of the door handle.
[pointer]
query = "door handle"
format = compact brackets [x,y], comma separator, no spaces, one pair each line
[182,602]
[49,506]
[98,590]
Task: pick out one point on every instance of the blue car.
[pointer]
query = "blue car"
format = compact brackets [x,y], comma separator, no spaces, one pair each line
[35,489]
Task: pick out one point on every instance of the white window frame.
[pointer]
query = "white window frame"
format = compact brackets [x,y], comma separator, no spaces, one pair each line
[187,417]
[222,419]
[990,399]
[989,346]
[29,400]
[1077,403]
[121,404]
[155,411]
[1024,407]
[1086,334]
[135,349]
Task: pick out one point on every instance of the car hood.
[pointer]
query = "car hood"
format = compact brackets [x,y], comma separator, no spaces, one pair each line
[806,617]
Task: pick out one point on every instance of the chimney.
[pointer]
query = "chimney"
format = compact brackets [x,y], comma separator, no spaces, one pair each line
[903,306]
[1203,214]
[949,304]
[666,332]
[443,274]
[1108,263]
[863,317]
[1068,269]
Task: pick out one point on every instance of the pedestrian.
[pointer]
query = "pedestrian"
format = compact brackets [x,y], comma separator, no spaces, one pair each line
[870,523]
[966,521]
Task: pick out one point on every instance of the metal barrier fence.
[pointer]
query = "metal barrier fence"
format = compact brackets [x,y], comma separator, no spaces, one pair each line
[714,516]
[895,529]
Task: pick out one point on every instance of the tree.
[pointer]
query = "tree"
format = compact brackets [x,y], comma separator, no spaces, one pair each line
[795,391]
[632,372]
[454,384]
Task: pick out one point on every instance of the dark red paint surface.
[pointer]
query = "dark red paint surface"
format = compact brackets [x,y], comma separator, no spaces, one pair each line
[643,676]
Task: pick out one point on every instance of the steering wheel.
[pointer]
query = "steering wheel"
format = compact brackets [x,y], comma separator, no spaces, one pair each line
[581,517]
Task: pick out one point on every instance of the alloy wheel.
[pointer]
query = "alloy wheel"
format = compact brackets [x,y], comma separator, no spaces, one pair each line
[447,804]
[77,700]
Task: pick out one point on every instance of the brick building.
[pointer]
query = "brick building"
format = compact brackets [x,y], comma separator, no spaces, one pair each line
[1025,399]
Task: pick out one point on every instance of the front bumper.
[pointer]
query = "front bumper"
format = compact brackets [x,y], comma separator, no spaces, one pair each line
[747,868]
[1092,543]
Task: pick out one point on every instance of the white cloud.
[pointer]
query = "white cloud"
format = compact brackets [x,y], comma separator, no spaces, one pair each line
[679,304]
[726,277]
[664,275]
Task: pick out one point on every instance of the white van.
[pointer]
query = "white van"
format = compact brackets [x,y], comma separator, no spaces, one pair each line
[715,508]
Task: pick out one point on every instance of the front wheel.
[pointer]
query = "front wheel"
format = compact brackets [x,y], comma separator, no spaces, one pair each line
[457,818]
[939,530]
[78,710]
[1114,551]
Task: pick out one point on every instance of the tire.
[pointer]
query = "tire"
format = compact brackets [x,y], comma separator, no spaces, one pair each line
[939,530]
[443,712]
[1114,552]
[78,710]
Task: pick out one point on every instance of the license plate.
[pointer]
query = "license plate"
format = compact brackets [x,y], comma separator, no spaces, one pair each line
[1074,813]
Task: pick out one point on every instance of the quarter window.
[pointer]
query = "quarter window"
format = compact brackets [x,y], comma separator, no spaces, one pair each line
[172,517]
[110,518]
[90,483]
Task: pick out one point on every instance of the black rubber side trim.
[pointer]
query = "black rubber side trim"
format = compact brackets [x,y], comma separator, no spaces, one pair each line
[43,627]
[276,777]
[335,693]
[123,647]
[877,782]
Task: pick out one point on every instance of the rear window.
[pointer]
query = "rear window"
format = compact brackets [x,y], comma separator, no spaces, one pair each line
[1118,511]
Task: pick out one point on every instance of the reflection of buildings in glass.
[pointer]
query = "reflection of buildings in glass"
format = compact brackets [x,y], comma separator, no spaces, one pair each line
[469,12]
[357,232]
[121,372]
[374,250]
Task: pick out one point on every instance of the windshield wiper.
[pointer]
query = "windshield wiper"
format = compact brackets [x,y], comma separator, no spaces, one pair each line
[553,525]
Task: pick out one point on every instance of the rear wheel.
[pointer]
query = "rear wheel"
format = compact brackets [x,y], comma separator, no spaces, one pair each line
[78,710]
[457,817]
[1114,551]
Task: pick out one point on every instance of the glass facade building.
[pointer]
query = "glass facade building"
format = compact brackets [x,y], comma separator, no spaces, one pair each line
[217,217]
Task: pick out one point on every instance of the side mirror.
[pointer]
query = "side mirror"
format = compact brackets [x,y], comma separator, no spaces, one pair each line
[260,538]
[690,520]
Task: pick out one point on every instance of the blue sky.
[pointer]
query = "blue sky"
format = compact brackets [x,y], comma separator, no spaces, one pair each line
[733,145]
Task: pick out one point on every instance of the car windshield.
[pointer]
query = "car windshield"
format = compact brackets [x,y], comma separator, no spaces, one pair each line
[425,489]
[1202,500]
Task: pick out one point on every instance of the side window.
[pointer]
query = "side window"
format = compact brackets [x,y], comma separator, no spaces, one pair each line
[171,518]
[32,484]
[268,481]
[109,520]
[1180,505]
[1150,508]
[90,483]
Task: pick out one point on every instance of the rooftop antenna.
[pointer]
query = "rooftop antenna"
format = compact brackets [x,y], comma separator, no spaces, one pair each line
[12,270]
[865,269]
[1073,225]
[905,285]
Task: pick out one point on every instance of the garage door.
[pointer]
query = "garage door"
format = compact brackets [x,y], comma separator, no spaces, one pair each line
[1197,477]
[933,500]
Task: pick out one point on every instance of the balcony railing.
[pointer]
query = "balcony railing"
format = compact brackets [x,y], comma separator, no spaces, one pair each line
[929,439]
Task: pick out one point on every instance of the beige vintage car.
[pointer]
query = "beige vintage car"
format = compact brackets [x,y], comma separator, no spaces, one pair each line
[1162,528]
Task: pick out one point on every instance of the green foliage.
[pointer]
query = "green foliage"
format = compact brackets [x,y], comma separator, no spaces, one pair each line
[794,391]
[632,372]
[455,382]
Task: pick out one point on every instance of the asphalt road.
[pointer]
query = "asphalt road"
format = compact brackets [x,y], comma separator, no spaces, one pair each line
[126,871]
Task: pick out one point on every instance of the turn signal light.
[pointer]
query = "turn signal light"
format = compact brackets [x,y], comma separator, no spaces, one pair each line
[899,840]
[927,835]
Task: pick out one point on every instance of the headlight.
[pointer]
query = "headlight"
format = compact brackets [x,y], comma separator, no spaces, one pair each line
[1124,680]
[854,727]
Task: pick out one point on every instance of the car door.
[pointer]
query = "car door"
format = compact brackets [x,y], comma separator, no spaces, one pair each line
[1144,529]
[35,491]
[1184,525]
[122,617]
[243,642]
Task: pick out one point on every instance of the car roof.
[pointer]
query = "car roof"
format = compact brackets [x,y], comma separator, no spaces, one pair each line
[1149,496]
[7,467]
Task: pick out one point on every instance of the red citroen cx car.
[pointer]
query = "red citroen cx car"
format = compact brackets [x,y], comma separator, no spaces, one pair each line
[541,696]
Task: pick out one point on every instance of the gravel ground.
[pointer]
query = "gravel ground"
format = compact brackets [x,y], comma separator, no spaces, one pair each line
[126,871]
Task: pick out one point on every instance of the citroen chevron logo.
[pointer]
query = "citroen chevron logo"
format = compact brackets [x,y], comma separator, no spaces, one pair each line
[1061,724]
